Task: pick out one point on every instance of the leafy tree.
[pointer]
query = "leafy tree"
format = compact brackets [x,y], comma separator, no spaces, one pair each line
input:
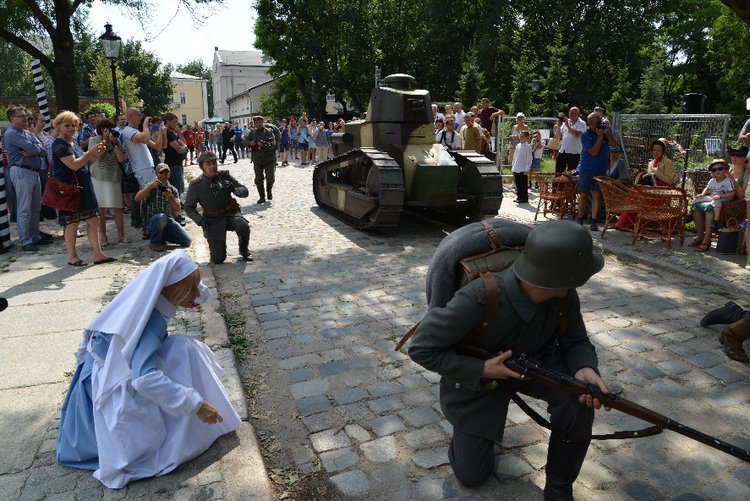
[153,78]
[621,91]
[741,8]
[470,89]
[520,96]
[554,80]
[16,62]
[198,69]
[727,59]
[283,101]
[107,108]
[101,82]
[55,21]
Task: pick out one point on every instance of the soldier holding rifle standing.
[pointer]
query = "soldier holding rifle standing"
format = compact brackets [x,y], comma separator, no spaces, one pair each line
[538,313]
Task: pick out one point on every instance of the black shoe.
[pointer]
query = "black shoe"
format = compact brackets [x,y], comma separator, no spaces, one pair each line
[44,241]
[30,248]
[270,195]
[261,201]
[727,314]
[246,256]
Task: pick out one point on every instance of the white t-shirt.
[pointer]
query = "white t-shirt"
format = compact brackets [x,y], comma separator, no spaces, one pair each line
[450,139]
[571,143]
[720,188]
[537,153]
[522,158]
[140,159]
[459,119]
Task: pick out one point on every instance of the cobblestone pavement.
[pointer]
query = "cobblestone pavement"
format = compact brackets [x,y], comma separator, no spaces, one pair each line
[329,302]
[50,304]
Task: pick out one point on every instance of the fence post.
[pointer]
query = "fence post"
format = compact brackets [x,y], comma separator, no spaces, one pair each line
[724,135]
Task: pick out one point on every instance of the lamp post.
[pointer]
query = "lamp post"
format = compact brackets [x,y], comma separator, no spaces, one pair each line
[535,84]
[111,44]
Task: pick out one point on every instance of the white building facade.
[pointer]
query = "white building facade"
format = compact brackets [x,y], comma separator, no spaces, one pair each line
[235,72]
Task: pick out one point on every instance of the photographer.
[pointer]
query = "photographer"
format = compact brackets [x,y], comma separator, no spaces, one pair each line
[262,140]
[159,206]
[221,212]
[595,142]
[570,147]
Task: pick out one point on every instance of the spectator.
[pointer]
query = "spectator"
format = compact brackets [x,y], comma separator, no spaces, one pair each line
[263,143]
[221,213]
[436,115]
[302,130]
[595,143]
[537,149]
[142,402]
[488,114]
[312,151]
[515,134]
[459,115]
[617,169]
[25,158]
[174,153]
[106,177]
[239,139]
[285,142]
[137,138]
[570,147]
[89,128]
[439,127]
[661,171]
[71,165]
[38,130]
[293,138]
[744,136]
[739,163]
[470,137]
[322,142]
[227,143]
[448,136]
[214,139]
[160,204]
[189,135]
[721,188]
[520,167]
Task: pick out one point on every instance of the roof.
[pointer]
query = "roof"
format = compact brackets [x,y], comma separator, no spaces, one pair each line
[184,76]
[242,58]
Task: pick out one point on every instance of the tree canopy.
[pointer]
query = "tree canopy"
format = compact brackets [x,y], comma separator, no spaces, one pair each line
[583,52]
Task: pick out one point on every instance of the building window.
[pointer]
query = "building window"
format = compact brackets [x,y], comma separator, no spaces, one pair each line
[183,98]
[184,118]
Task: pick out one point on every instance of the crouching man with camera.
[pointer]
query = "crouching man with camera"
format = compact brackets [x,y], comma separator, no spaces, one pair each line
[221,212]
[160,204]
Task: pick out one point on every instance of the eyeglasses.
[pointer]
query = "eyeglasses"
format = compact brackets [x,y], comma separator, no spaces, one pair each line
[19,116]
[717,169]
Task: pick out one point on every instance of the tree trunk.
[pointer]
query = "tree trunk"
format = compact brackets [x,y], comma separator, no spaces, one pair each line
[63,70]
[740,7]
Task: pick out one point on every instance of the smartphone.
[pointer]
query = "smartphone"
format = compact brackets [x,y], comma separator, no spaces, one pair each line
[155,127]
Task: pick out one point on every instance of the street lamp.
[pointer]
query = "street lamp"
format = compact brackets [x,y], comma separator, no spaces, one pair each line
[535,84]
[111,43]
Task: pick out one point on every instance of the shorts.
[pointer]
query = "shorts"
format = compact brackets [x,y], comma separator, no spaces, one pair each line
[536,164]
[704,206]
[191,148]
[586,181]
[303,145]
[283,147]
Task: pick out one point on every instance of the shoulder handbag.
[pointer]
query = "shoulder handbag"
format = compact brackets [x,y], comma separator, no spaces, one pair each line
[60,195]
[554,144]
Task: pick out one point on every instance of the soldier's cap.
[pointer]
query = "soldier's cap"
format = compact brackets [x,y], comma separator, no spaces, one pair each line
[257,117]
[161,167]
[206,155]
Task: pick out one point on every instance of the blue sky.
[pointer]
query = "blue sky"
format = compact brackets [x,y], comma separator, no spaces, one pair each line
[176,39]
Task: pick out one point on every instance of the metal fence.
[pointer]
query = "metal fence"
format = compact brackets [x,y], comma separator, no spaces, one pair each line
[502,136]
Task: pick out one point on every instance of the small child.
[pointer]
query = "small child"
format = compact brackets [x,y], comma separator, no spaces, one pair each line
[537,148]
[522,159]
[718,189]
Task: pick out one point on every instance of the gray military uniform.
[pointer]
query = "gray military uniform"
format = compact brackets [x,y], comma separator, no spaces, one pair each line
[264,159]
[219,214]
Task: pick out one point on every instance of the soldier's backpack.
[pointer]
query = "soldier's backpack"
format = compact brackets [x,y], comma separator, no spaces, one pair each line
[476,250]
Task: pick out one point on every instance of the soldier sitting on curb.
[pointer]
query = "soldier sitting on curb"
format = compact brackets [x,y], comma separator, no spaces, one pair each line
[221,212]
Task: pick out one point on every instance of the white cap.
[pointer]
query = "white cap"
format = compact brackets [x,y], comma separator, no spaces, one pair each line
[520,114]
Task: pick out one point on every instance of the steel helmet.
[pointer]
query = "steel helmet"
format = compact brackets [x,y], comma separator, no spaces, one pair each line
[558,255]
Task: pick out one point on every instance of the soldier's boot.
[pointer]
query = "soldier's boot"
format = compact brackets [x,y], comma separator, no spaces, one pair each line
[732,337]
[244,248]
[261,192]
[268,191]
[564,461]
[727,314]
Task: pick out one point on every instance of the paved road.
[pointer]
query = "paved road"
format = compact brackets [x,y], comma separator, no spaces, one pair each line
[327,302]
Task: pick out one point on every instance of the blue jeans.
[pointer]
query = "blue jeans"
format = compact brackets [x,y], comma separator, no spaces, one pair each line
[164,230]
[176,178]
[10,194]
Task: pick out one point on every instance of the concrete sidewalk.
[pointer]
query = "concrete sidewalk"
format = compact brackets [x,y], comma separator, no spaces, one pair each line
[50,303]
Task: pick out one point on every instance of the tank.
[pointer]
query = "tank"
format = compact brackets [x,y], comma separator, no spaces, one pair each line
[390,162]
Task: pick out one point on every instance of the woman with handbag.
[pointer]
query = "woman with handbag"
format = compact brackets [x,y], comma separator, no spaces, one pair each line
[70,165]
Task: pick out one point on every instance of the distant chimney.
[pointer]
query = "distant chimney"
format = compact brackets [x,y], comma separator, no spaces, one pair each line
[216,49]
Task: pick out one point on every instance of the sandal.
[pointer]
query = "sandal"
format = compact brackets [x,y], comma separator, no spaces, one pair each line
[696,241]
[79,263]
[703,247]
[109,259]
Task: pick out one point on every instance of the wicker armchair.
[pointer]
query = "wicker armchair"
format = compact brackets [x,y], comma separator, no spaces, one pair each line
[661,213]
[731,212]
[557,194]
[618,198]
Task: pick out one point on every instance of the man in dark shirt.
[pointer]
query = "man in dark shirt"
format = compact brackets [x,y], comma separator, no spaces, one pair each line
[173,153]
[262,140]
[221,212]
[488,113]
[227,142]
[160,204]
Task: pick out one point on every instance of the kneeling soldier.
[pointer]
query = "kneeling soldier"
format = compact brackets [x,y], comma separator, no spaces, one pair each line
[221,212]
[538,313]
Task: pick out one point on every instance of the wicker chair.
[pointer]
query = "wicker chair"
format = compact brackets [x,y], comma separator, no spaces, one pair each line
[731,212]
[618,198]
[661,213]
[557,194]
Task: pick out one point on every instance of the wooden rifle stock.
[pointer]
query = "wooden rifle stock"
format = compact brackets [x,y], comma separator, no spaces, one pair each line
[530,369]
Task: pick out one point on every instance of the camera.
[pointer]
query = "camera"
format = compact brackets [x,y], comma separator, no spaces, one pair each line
[601,125]
[155,120]
[163,187]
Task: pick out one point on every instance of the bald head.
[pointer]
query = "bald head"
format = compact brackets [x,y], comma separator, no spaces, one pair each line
[134,117]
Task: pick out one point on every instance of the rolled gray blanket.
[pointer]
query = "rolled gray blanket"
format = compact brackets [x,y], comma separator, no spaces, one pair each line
[466,241]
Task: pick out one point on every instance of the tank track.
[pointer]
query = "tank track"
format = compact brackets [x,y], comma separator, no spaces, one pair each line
[481,183]
[367,186]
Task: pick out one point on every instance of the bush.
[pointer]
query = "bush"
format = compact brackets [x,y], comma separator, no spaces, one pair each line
[107,108]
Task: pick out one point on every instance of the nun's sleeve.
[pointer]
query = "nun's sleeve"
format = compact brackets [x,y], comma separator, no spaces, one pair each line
[152,383]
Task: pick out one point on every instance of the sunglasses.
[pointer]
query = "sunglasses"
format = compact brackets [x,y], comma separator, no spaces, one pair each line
[717,169]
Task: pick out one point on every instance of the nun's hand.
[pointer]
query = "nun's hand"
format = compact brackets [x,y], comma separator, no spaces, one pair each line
[208,414]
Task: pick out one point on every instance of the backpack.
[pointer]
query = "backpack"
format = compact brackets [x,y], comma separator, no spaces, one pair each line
[473,251]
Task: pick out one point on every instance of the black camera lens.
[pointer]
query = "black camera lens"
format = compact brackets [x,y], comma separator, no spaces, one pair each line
[115,133]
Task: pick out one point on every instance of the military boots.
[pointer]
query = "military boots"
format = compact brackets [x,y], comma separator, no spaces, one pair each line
[732,337]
